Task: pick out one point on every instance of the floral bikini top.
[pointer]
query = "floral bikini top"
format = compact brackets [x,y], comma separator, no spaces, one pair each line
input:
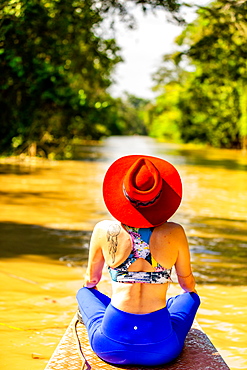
[140,239]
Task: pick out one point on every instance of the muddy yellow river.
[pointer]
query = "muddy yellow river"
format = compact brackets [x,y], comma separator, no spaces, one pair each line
[48,210]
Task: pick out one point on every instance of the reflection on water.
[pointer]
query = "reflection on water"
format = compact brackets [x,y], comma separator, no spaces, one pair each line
[219,250]
[24,239]
[48,210]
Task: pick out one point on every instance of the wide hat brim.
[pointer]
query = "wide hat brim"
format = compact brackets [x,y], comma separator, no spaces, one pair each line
[124,211]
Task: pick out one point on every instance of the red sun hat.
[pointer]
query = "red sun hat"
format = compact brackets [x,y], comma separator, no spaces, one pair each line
[142,191]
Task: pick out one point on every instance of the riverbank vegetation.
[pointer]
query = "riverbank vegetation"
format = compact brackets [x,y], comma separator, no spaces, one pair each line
[57,60]
[203,85]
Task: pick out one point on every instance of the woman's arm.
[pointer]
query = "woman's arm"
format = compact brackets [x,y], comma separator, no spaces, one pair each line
[183,265]
[95,259]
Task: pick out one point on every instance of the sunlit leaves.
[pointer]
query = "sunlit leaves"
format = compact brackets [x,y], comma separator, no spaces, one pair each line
[56,63]
[53,68]
[212,100]
[166,114]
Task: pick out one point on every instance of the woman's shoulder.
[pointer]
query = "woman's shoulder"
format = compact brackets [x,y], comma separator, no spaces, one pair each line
[107,225]
[170,226]
[171,230]
[104,229]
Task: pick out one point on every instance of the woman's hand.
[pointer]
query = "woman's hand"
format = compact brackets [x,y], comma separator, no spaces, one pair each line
[89,286]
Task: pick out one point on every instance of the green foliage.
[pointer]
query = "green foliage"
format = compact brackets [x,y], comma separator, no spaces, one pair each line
[54,71]
[166,113]
[212,98]
[131,115]
[55,68]
[124,8]
[209,114]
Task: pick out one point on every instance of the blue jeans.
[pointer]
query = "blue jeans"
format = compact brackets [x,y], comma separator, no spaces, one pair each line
[124,338]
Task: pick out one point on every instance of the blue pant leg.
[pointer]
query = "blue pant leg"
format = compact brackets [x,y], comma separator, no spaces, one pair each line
[182,310]
[92,305]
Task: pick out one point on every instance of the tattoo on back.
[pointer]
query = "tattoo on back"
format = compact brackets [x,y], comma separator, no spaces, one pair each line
[112,234]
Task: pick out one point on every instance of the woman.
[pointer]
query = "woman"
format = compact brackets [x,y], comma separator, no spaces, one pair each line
[138,326]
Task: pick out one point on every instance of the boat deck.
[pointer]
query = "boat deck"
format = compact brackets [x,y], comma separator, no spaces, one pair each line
[199,353]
